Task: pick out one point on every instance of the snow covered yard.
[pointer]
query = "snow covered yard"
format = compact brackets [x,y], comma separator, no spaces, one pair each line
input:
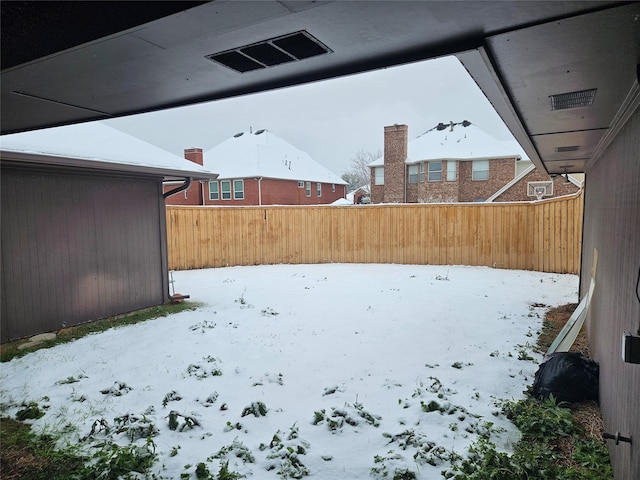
[335,371]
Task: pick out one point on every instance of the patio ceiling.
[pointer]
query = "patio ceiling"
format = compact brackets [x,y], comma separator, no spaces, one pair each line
[89,61]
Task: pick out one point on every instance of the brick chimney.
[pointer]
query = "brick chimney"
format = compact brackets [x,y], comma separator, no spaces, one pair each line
[395,153]
[194,155]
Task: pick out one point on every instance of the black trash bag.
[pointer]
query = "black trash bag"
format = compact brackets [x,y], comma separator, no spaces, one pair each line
[568,376]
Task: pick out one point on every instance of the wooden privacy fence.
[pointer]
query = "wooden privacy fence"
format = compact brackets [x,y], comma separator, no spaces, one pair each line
[544,236]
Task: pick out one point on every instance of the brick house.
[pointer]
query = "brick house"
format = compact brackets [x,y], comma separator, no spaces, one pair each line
[458,162]
[259,168]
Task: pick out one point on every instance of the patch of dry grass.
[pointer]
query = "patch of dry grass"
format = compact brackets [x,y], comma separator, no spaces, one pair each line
[587,414]
[26,456]
[11,349]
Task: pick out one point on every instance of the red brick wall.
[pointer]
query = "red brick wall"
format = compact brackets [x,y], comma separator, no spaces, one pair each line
[439,191]
[463,189]
[395,154]
[501,172]
[194,155]
[359,194]
[377,191]
[518,192]
[193,194]
[190,196]
[280,192]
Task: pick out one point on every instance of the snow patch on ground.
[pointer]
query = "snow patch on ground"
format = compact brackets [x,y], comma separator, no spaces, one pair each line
[337,371]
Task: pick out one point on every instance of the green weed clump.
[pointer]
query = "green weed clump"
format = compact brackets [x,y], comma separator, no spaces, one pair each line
[41,458]
[202,472]
[351,415]
[180,423]
[386,466]
[257,409]
[544,425]
[237,449]
[285,453]
[30,411]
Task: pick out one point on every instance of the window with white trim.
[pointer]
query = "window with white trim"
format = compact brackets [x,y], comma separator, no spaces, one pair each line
[413,173]
[378,173]
[238,189]
[308,189]
[422,172]
[333,187]
[300,184]
[452,174]
[480,170]
[225,188]
[214,193]
[435,171]
[319,189]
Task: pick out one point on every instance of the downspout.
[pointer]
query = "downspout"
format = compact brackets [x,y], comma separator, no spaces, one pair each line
[260,191]
[404,183]
[173,298]
[184,186]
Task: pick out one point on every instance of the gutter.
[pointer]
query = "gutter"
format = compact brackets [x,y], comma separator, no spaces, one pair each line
[184,186]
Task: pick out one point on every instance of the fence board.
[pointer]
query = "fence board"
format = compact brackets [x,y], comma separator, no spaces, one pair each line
[543,236]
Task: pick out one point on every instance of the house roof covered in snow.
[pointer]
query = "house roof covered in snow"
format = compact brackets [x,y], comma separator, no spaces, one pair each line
[263,154]
[457,141]
[98,146]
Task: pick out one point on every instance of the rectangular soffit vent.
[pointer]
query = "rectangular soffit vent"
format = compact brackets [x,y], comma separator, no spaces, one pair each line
[564,101]
[269,53]
[572,148]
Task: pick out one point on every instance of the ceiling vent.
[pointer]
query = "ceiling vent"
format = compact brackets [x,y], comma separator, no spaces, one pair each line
[564,101]
[572,148]
[269,53]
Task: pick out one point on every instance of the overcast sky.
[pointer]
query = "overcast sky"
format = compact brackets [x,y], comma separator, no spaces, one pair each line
[333,119]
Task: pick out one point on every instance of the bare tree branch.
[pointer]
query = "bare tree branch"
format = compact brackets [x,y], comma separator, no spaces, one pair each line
[359,173]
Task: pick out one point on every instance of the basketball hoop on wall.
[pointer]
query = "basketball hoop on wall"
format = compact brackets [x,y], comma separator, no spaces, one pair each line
[539,190]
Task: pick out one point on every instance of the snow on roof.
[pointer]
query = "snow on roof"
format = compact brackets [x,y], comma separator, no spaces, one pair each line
[98,142]
[263,154]
[364,188]
[458,141]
